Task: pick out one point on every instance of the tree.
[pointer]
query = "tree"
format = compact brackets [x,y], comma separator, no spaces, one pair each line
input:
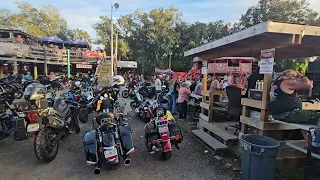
[41,22]
[292,11]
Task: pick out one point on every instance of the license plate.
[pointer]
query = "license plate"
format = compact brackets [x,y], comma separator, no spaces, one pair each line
[33,127]
[163,129]
[110,152]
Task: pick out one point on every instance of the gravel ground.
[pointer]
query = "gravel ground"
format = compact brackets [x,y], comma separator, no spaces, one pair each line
[17,160]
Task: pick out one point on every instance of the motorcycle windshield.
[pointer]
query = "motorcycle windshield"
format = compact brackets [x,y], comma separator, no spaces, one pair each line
[108,139]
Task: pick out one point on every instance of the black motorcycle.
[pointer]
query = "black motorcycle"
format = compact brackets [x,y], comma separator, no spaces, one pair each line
[106,141]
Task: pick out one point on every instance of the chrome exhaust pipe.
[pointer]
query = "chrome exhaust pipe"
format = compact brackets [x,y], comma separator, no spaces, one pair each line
[97,170]
[127,161]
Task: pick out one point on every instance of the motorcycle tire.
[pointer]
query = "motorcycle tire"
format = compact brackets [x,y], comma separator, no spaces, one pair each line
[166,155]
[83,115]
[18,94]
[43,152]
[77,128]
[133,105]
[125,94]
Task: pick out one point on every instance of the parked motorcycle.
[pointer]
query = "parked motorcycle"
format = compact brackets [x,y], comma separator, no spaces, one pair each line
[107,140]
[83,114]
[137,101]
[48,125]
[161,133]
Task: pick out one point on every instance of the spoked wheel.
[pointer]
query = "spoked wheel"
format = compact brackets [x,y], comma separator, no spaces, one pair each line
[46,145]
[125,94]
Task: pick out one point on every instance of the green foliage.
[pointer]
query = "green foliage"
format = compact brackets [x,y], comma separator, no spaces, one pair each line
[293,11]
[40,22]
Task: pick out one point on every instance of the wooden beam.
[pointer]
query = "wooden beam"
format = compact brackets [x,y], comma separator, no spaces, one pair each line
[281,41]
[253,103]
[249,32]
[286,28]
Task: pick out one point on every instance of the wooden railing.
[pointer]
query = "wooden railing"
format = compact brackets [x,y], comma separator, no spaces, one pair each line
[8,49]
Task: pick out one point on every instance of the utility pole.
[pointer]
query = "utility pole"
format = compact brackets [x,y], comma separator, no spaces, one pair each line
[115,6]
[116,54]
[111,41]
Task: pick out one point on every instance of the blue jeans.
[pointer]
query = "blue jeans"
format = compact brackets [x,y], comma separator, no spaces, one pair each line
[174,104]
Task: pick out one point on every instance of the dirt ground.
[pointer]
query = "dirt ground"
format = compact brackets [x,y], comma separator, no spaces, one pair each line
[18,161]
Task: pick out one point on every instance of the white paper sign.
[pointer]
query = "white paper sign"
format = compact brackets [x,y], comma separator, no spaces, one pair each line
[266,66]
[204,70]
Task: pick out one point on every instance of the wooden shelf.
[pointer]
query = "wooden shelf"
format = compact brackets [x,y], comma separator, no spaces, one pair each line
[204,117]
[266,126]
[204,105]
[253,103]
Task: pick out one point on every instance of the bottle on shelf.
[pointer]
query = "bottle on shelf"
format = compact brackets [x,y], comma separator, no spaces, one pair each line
[257,84]
[261,82]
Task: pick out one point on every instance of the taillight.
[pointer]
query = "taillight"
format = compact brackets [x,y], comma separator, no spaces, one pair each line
[32,116]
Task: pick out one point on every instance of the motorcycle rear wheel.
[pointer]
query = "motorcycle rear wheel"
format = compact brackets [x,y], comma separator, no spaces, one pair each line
[46,146]
[125,94]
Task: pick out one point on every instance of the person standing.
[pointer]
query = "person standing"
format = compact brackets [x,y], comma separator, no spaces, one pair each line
[171,88]
[174,96]
[183,99]
[157,84]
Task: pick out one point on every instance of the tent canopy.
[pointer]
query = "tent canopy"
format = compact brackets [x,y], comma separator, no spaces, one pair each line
[51,39]
[77,43]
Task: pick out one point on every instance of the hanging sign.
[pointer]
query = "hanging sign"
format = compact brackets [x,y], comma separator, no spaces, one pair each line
[203,70]
[210,67]
[267,61]
[204,63]
[83,66]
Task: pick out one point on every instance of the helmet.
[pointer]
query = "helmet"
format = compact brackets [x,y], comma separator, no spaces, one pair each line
[117,81]
[34,91]
[77,83]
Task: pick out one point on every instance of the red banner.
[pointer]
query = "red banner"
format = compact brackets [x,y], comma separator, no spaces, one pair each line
[245,67]
[220,67]
[84,66]
[92,54]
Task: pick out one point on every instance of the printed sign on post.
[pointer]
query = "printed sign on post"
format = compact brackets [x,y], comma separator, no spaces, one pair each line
[203,70]
[267,61]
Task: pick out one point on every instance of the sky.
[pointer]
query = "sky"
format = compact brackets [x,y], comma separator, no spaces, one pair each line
[84,13]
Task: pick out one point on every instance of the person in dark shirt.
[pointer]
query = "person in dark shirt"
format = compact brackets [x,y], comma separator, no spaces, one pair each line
[193,85]
[284,103]
[174,95]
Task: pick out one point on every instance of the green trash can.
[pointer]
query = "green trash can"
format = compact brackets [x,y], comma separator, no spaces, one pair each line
[258,160]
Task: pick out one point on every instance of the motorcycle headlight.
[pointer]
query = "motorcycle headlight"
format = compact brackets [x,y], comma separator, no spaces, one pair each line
[101,98]
[105,95]
[145,108]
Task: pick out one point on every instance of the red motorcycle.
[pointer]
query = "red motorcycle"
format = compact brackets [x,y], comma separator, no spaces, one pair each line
[161,134]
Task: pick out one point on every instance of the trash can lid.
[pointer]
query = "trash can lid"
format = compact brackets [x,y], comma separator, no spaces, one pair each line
[261,141]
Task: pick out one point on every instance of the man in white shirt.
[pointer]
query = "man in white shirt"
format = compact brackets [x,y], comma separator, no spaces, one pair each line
[157,84]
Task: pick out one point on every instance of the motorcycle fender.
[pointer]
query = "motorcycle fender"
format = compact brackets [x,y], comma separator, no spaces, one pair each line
[166,144]
[91,146]
[126,139]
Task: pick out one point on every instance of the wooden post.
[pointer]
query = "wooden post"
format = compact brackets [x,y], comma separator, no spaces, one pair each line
[15,66]
[35,71]
[1,71]
[205,76]
[45,61]
[267,80]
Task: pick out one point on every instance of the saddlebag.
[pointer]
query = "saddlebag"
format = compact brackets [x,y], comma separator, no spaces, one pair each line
[175,130]
[126,139]
[91,146]
[20,132]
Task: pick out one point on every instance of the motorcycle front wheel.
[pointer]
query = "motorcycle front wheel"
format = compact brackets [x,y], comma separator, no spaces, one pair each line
[166,155]
[83,115]
[125,94]
[46,146]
